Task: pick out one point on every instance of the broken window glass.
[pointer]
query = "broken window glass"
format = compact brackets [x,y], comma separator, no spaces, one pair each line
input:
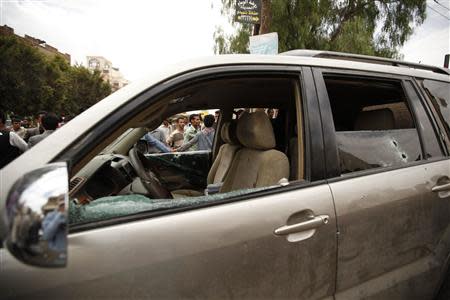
[373,123]
[123,205]
[362,150]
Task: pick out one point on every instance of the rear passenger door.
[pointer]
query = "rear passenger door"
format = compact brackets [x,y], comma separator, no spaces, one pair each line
[387,169]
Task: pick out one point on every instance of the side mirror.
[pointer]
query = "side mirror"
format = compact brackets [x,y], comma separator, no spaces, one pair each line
[36,217]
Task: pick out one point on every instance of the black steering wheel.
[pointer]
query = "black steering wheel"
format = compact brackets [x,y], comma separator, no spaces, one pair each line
[149,180]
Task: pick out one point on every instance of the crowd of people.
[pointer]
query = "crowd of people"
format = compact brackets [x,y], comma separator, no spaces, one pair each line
[22,134]
[184,134]
[191,133]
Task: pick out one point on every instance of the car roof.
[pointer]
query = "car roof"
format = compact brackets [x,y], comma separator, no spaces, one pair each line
[326,59]
[365,58]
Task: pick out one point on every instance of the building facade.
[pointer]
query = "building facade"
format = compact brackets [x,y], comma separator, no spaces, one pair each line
[107,71]
[39,44]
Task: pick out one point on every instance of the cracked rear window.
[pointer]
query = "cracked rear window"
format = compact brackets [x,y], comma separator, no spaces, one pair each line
[373,123]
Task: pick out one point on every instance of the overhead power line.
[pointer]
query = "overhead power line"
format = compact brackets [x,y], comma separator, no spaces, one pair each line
[437,12]
[442,5]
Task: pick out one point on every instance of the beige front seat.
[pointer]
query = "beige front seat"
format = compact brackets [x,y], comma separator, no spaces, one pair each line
[221,164]
[226,154]
[257,164]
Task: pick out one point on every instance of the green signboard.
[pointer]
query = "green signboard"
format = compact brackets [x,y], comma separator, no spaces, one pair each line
[248,11]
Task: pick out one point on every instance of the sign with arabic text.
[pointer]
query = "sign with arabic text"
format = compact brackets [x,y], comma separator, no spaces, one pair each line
[248,11]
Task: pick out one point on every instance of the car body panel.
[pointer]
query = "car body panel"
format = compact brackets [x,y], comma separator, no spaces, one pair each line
[225,251]
[392,229]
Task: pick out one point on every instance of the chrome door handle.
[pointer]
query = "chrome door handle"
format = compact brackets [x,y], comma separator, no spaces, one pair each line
[441,188]
[303,226]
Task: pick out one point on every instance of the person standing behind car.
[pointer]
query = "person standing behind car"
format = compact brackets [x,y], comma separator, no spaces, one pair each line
[11,145]
[176,137]
[38,129]
[156,141]
[204,139]
[216,118]
[166,129]
[193,129]
[49,122]
[17,127]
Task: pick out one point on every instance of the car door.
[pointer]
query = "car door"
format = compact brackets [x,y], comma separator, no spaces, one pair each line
[393,222]
[270,243]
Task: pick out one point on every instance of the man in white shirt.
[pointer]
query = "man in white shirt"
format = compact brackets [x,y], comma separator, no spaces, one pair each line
[166,129]
[176,137]
[11,145]
[17,127]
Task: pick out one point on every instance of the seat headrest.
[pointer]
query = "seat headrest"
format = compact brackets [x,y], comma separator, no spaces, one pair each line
[380,119]
[228,133]
[254,130]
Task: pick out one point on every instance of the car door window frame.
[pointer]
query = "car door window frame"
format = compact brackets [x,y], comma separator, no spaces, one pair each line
[313,142]
[103,128]
[421,114]
[329,132]
[444,139]
[313,128]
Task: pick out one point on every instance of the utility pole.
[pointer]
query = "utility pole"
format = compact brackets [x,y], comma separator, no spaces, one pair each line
[256,29]
[266,18]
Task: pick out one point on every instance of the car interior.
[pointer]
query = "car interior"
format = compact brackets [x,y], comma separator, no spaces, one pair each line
[250,151]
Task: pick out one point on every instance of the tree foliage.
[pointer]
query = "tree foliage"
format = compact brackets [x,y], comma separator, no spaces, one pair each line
[372,27]
[31,82]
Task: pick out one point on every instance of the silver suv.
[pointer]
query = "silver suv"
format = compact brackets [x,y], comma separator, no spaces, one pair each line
[328,178]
